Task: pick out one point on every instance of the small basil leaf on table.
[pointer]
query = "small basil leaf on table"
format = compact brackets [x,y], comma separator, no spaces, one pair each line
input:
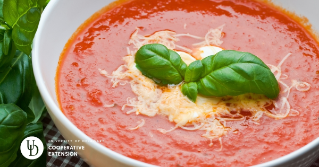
[160,64]
[23,16]
[32,129]
[194,71]
[233,73]
[13,121]
[16,80]
[190,90]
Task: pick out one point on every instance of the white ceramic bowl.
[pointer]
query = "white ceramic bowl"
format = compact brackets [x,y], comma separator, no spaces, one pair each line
[60,20]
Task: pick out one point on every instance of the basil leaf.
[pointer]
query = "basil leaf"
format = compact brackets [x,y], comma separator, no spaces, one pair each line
[13,121]
[1,8]
[2,31]
[5,59]
[177,62]
[23,16]
[33,129]
[16,80]
[36,104]
[160,64]
[37,108]
[233,73]
[190,90]
[194,71]
[3,25]
[6,42]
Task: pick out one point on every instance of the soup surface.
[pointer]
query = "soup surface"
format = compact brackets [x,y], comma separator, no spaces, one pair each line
[101,43]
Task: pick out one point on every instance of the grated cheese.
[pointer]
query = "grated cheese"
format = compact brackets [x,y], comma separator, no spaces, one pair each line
[141,123]
[282,107]
[109,105]
[301,86]
[221,144]
[103,72]
[212,37]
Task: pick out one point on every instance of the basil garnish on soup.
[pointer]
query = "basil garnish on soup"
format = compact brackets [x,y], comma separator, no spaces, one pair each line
[160,64]
[227,73]
[234,73]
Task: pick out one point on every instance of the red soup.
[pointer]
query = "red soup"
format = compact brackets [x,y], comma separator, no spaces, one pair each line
[100,103]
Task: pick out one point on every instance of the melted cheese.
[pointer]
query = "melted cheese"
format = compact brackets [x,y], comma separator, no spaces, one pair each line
[187,58]
[199,54]
[206,51]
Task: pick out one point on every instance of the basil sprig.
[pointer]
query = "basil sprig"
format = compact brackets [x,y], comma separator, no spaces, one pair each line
[227,73]
[21,105]
[162,65]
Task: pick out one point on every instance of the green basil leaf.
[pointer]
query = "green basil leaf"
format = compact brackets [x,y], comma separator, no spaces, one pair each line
[3,25]
[13,121]
[6,42]
[2,31]
[160,64]
[190,90]
[233,73]
[16,80]
[194,71]
[177,62]
[36,104]
[23,16]
[37,108]
[1,8]
[5,59]
[36,130]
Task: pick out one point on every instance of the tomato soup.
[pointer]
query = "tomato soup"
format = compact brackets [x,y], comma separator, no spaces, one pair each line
[101,43]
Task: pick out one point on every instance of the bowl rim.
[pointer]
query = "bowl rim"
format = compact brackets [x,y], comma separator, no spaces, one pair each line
[56,111]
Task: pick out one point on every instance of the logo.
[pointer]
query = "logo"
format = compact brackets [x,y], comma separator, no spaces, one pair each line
[31,148]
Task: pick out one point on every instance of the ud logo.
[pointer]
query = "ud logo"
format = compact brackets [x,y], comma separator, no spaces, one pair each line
[31,147]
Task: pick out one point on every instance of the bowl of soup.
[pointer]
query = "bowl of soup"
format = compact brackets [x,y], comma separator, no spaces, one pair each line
[84,60]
